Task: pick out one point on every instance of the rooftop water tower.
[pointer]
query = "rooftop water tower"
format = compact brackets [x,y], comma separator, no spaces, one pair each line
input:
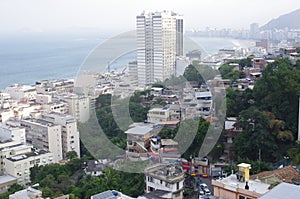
[243,174]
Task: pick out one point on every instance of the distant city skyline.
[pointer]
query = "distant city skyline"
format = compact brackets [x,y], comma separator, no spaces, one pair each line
[119,15]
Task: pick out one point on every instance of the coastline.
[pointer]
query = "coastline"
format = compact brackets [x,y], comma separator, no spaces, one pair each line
[62,59]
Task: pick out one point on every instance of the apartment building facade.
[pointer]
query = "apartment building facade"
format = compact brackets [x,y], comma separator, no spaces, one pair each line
[159,39]
[44,135]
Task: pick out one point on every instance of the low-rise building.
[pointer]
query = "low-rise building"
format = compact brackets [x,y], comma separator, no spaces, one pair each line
[29,193]
[14,133]
[165,177]
[157,115]
[19,166]
[286,174]
[169,151]
[138,140]
[58,107]
[10,149]
[21,92]
[239,185]
[111,194]
[94,168]
[6,114]
[6,181]
[282,191]
[204,103]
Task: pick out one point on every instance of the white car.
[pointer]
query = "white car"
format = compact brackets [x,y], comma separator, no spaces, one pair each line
[205,189]
[207,192]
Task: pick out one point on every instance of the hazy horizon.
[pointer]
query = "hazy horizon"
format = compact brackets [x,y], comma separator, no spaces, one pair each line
[34,16]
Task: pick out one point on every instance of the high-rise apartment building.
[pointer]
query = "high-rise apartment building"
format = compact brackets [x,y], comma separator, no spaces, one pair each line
[159,40]
[179,35]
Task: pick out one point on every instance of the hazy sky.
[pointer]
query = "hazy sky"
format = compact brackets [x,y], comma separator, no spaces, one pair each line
[119,15]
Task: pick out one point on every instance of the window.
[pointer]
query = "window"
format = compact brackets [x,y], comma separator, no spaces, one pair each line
[160,181]
[150,179]
[241,197]
[177,185]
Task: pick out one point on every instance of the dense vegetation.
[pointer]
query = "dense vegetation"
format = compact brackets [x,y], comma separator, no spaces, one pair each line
[107,121]
[14,188]
[199,73]
[56,179]
[268,114]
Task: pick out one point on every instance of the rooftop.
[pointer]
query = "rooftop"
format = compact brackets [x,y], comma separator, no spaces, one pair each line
[29,193]
[203,94]
[139,130]
[164,109]
[27,155]
[157,194]
[9,144]
[17,147]
[6,179]
[104,195]
[282,191]
[170,122]
[39,122]
[167,172]
[232,183]
[286,174]
[168,142]
[94,165]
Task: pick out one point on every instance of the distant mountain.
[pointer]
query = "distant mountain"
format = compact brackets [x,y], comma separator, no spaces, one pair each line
[290,20]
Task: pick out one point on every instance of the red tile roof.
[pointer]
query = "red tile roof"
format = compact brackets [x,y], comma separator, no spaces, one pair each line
[286,174]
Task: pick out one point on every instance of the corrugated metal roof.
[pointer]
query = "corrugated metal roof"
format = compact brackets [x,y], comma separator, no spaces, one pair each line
[283,191]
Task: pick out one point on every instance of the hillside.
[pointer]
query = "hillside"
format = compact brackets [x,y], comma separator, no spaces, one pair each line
[290,20]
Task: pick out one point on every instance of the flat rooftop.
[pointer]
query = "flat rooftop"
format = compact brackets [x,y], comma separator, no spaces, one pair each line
[139,130]
[232,183]
[166,172]
[39,122]
[17,147]
[26,155]
[6,179]
[168,142]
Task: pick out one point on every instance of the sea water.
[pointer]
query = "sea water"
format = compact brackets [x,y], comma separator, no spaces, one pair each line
[26,58]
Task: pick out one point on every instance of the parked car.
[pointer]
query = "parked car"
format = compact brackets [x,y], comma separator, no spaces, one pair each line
[205,189]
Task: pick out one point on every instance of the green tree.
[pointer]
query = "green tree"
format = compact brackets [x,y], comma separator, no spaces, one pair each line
[263,137]
[192,74]
[294,154]
[278,92]
[71,155]
[14,188]
[238,101]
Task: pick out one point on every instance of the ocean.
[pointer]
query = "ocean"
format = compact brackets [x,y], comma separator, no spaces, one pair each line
[27,58]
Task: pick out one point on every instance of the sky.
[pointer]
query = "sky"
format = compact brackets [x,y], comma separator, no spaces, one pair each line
[119,15]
